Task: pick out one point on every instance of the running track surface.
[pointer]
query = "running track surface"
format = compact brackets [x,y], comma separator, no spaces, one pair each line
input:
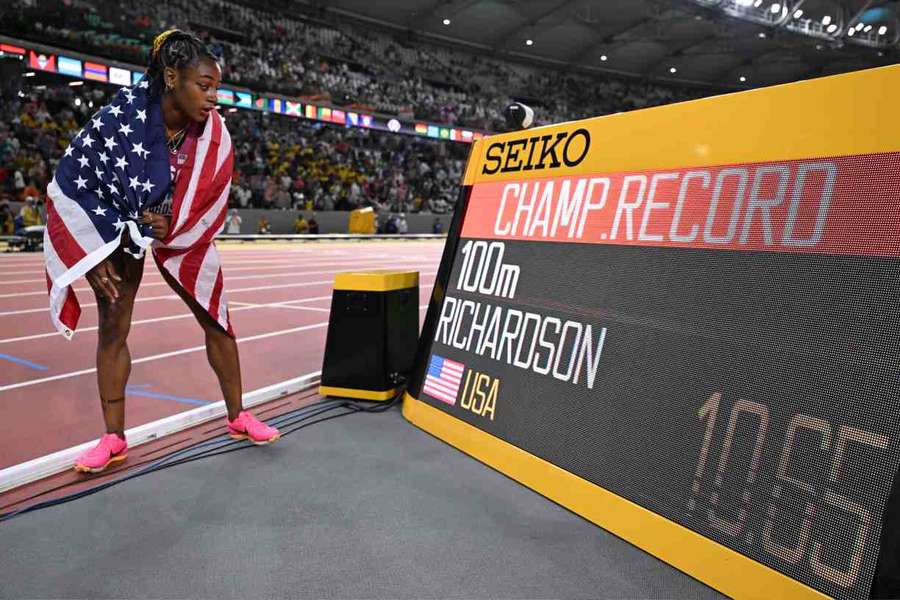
[279,297]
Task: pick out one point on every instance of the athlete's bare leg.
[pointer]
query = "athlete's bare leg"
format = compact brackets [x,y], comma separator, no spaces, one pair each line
[221,350]
[114,311]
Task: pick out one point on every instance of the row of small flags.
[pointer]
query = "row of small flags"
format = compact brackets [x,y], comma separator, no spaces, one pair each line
[116,75]
[73,67]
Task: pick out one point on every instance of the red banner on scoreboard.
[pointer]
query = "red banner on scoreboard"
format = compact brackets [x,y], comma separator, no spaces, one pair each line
[840,205]
[12,49]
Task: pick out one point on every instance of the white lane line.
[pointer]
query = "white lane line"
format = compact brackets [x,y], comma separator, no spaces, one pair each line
[174,297]
[149,272]
[7,257]
[363,263]
[29,272]
[25,311]
[38,468]
[290,304]
[160,356]
[161,283]
[240,306]
[228,278]
[311,308]
[266,261]
[38,267]
[284,264]
[38,258]
[246,305]
[33,274]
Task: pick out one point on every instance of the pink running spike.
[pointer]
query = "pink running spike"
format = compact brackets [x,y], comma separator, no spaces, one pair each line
[110,449]
[247,427]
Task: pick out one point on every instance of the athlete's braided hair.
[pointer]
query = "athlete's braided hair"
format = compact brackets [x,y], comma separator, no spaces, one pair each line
[177,49]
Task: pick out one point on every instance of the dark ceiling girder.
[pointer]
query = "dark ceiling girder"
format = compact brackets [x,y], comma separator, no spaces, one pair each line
[789,14]
[747,61]
[741,55]
[576,57]
[679,50]
[432,10]
[859,13]
[676,52]
[422,16]
[583,52]
[752,58]
[499,42]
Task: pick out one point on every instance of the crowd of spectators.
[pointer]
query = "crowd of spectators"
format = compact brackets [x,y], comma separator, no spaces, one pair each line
[287,163]
[34,132]
[267,46]
[280,162]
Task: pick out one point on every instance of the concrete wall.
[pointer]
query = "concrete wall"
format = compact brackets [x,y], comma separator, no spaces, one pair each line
[282,221]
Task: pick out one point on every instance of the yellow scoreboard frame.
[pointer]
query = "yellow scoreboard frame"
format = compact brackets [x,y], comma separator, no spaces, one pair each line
[844,115]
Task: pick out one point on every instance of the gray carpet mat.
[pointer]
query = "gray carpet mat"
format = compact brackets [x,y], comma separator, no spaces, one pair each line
[364,506]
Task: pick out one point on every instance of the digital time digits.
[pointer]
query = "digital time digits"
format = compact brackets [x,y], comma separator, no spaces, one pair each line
[833,439]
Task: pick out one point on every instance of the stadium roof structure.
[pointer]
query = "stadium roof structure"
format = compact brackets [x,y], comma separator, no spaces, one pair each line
[723,43]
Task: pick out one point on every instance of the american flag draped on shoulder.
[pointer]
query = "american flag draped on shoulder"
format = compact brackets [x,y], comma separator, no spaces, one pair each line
[116,167]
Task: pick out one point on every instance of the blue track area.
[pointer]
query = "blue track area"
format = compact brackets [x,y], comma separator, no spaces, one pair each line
[144,391]
[23,362]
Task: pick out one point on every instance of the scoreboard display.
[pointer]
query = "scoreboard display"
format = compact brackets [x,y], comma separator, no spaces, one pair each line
[683,323]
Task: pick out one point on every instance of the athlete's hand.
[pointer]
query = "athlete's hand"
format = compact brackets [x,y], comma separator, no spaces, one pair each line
[159,224]
[103,279]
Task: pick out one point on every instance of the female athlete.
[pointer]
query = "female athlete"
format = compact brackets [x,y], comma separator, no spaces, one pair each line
[179,92]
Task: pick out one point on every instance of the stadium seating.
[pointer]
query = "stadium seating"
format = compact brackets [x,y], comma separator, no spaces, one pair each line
[285,163]
[281,163]
[347,65]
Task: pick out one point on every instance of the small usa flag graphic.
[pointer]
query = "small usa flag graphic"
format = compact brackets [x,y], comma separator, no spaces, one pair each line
[443,379]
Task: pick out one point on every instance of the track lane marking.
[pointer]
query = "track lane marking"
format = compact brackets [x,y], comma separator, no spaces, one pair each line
[23,362]
[163,355]
[239,307]
[38,266]
[153,357]
[228,277]
[172,296]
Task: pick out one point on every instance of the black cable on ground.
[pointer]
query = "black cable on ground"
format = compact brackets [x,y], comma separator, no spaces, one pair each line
[288,423]
[277,421]
[161,463]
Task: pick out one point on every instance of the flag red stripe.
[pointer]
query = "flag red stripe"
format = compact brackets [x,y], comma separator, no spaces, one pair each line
[205,181]
[216,296]
[228,319]
[211,232]
[71,310]
[66,246]
[211,184]
[180,192]
[217,185]
[209,235]
[163,254]
[180,195]
[190,268]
